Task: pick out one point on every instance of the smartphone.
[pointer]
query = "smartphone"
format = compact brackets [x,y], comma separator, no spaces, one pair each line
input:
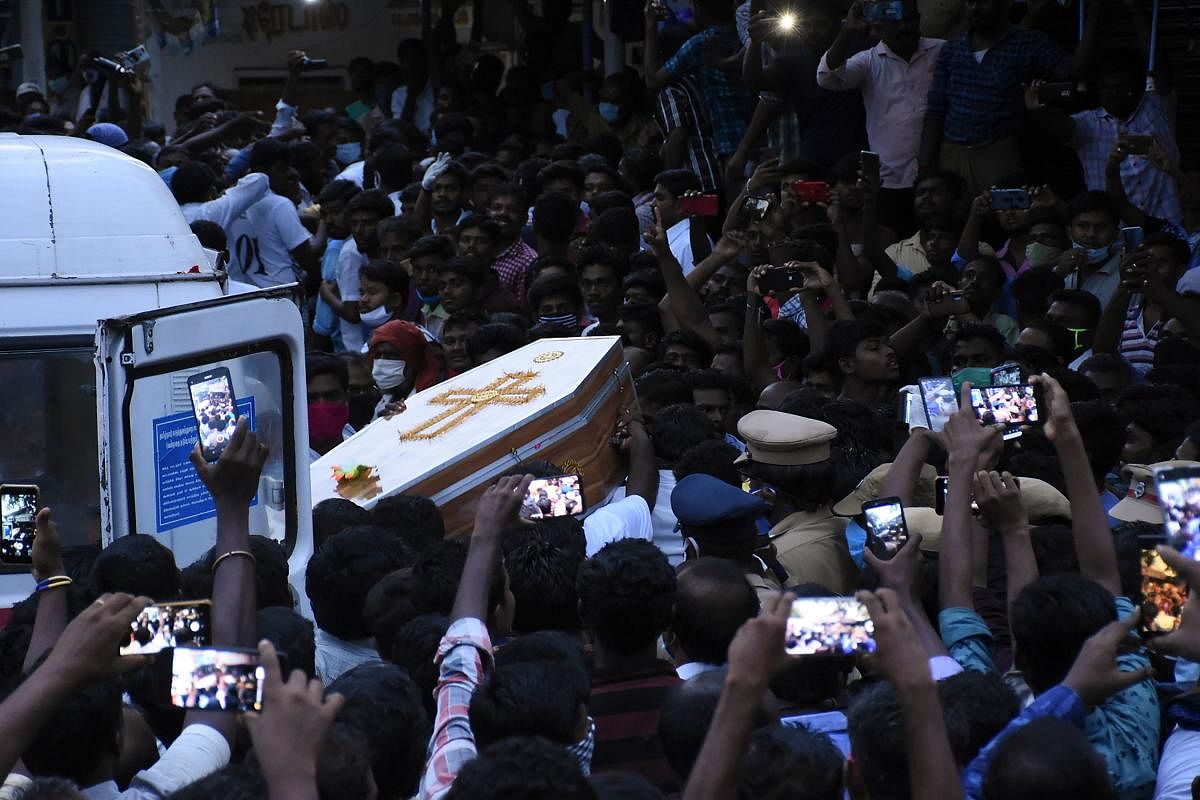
[888,11]
[868,163]
[1014,407]
[782,279]
[940,401]
[829,626]
[1179,497]
[942,491]
[10,53]
[1138,144]
[560,496]
[1053,94]
[756,209]
[700,205]
[811,191]
[212,679]
[886,526]
[215,408]
[953,303]
[160,627]
[18,522]
[1163,595]
[135,56]
[912,408]
[1006,375]
[1132,238]
[1009,199]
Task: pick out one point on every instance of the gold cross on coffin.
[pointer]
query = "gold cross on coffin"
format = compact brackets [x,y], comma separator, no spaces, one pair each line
[507,390]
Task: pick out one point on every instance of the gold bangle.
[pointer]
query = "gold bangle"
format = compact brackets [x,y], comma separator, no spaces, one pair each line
[223,556]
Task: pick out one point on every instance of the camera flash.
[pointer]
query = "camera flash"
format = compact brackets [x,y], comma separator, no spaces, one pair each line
[787,21]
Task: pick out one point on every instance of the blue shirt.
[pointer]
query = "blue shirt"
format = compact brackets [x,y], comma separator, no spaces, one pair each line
[981,101]
[325,320]
[726,102]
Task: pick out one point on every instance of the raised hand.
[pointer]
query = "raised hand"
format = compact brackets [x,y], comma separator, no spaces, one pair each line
[1095,676]
[899,655]
[899,573]
[47,548]
[999,499]
[89,646]
[756,652]
[498,507]
[233,479]
[1059,420]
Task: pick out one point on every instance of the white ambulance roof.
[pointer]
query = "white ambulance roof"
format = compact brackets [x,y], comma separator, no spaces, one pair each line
[73,208]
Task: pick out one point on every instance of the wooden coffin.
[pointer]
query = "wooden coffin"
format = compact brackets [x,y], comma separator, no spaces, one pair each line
[556,399]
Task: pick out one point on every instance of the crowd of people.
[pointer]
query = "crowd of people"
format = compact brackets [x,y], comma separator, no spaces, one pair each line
[790,217]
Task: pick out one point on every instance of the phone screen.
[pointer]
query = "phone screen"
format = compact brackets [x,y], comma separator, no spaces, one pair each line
[885,523]
[829,626]
[215,408]
[1006,375]
[1163,594]
[940,401]
[18,518]
[159,627]
[216,680]
[561,496]
[1179,496]
[1010,406]
[1009,199]
[868,162]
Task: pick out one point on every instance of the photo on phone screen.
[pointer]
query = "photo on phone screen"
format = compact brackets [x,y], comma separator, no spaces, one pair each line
[1009,199]
[158,627]
[829,626]
[940,401]
[1010,406]
[560,496]
[1163,594]
[18,523]
[215,408]
[885,524]
[1179,496]
[216,680]
[1006,375]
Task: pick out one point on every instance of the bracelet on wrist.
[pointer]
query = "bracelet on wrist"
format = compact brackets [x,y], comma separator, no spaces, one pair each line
[242,553]
[53,582]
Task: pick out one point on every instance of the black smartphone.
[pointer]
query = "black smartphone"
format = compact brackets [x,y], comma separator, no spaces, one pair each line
[215,408]
[940,401]
[951,304]
[1009,199]
[1053,94]
[1179,497]
[942,491]
[782,279]
[868,163]
[886,528]
[1014,407]
[18,522]
[1006,375]
[560,496]
[1163,595]
[1132,238]
[829,626]
[216,679]
[166,625]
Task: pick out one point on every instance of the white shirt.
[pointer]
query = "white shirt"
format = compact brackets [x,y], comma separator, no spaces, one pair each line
[894,94]
[1179,765]
[261,240]
[423,113]
[662,520]
[693,668]
[232,204]
[627,518]
[679,239]
[350,261]
[335,656]
[352,173]
[199,751]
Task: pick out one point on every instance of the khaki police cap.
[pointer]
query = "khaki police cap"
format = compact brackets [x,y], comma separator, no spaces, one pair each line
[1140,503]
[785,440]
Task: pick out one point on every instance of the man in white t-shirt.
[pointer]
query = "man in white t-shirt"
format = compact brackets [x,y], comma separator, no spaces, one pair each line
[627,514]
[669,188]
[195,187]
[267,244]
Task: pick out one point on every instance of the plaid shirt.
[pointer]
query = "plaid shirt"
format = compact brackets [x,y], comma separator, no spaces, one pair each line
[726,102]
[982,101]
[513,265]
[463,655]
[679,106]
[1146,186]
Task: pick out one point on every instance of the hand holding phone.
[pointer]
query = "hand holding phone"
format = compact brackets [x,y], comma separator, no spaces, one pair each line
[215,408]
[161,627]
[997,498]
[214,679]
[886,526]
[869,165]
[947,304]
[1164,595]
[18,522]
[700,205]
[829,626]
[1013,407]
[1009,199]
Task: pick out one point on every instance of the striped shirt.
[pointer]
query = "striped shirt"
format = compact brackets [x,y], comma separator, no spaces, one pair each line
[679,106]
[727,104]
[626,710]
[1137,343]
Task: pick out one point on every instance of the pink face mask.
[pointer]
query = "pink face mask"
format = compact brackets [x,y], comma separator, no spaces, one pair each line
[326,420]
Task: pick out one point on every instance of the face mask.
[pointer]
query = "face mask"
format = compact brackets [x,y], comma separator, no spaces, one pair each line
[326,420]
[1041,255]
[977,376]
[565,320]
[373,319]
[1095,255]
[388,373]
[347,153]
[583,749]
[610,111]
[58,85]
[167,174]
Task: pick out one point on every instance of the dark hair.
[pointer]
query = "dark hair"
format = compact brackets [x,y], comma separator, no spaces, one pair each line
[292,635]
[686,337]
[381,703]
[642,164]
[561,171]
[338,191]
[393,163]
[372,201]
[509,189]
[542,580]
[530,698]
[554,286]
[976,707]
[242,781]
[1051,619]
[1103,431]
[489,169]
[875,723]
[77,733]
[1162,411]
[413,646]
[344,764]
[844,336]
[678,181]
[479,222]
[789,337]
[993,337]
[626,594]
[1059,336]
[646,315]
[271,586]
[210,234]
[442,246]
[1178,247]
[521,768]
[712,601]
[467,268]
[393,276]
[1093,201]
[1085,301]
[266,153]
[137,564]
[624,786]
[713,457]
[791,761]
[685,716]
[192,182]
[613,198]
[437,572]
[555,216]
[604,256]
[414,518]
[1110,363]
[318,363]
[1028,765]
[678,428]
[343,570]
[495,336]
[333,515]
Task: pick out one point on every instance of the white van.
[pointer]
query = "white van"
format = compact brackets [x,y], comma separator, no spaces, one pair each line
[107,305]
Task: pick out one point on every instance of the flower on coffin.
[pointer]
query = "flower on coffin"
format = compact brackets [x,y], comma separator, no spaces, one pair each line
[510,389]
[356,482]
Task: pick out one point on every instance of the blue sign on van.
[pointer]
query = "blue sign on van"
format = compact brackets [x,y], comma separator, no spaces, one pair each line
[180,496]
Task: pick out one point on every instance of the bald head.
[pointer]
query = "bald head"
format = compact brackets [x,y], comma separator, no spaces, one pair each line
[772,397]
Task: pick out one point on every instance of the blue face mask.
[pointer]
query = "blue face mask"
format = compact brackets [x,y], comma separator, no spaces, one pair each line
[348,152]
[58,85]
[167,174]
[1095,255]
[610,111]
[430,300]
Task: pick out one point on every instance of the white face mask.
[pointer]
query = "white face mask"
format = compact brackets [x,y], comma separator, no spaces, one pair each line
[388,373]
[375,318]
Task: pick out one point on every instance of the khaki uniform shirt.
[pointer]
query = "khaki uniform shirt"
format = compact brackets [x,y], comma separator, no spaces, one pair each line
[811,546]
